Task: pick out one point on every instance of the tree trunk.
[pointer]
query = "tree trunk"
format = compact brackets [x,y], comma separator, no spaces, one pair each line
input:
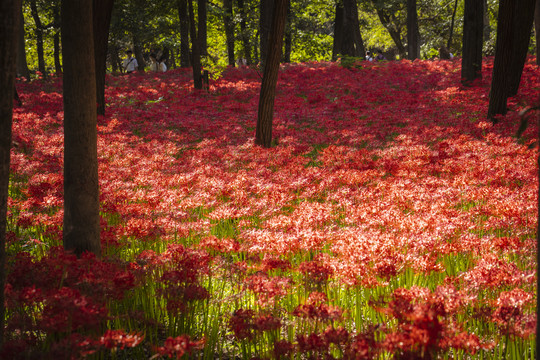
[473,31]
[348,42]
[184,32]
[487,26]
[116,63]
[229,30]
[56,41]
[195,54]
[102,10]
[503,56]
[523,24]
[288,35]
[338,31]
[81,186]
[243,29]
[537,31]
[449,43]
[265,23]
[413,34]
[202,26]
[22,64]
[39,38]
[394,32]
[263,136]
[10,16]
[137,52]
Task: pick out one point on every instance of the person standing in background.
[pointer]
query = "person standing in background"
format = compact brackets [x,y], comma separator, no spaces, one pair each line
[130,63]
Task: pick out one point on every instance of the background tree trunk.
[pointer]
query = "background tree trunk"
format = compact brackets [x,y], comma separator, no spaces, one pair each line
[243,29]
[56,41]
[102,10]
[413,34]
[184,32]
[263,135]
[473,32]
[81,187]
[450,36]
[523,24]
[229,29]
[202,26]
[10,16]
[195,54]
[394,32]
[338,30]
[22,64]
[39,38]
[137,52]
[487,26]
[288,35]
[265,24]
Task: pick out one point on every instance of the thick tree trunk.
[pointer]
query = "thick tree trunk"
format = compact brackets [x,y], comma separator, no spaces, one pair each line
[348,42]
[265,23]
[413,34]
[537,33]
[523,24]
[473,31]
[503,56]
[202,26]
[81,186]
[243,29]
[138,53]
[39,38]
[263,135]
[22,64]
[229,30]
[338,31]
[9,21]
[195,54]
[102,10]
[184,32]
[450,36]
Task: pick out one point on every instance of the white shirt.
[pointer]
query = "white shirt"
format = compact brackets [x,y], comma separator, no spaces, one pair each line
[155,66]
[130,64]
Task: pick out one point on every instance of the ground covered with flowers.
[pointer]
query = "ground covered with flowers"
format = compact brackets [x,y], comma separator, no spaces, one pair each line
[390,220]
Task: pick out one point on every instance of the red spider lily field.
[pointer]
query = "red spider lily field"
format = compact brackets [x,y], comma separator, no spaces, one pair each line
[390,220]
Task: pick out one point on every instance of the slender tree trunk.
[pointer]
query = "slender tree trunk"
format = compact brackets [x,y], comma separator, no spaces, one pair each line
[184,32]
[487,26]
[114,58]
[537,32]
[195,54]
[202,26]
[102,10]
[229,30]
[523,24]
[265,22]
[22,64]
[137,52]
[473,31]
[56,41]
[81,186]
[263,136]
[449,43]
[243,29]
[413,34]
[338,30]
[395,33]
[288,35]
[9,22]
[39,38]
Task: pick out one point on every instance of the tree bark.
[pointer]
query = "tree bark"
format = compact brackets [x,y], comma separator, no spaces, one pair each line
[264,28]
[9,22]
[473,32]
[138,53]
[195,54]
[413,34]
[184,32]
[503,55]
[22,64]
[243,29]
[352,44]
[338,30]
[263,135]
[202,27]
[229,30]
[39,38]
[102,10]
[523,24]
[81,186]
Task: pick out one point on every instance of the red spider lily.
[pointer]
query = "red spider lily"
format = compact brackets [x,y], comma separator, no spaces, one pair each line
[178,346]
[114,339]
[509,314]
[241,323]
[267,289]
